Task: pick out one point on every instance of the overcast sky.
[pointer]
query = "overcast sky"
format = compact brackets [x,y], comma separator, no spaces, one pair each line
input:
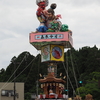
[18,19]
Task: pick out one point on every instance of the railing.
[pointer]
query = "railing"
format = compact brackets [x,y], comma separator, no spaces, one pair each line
[53,96]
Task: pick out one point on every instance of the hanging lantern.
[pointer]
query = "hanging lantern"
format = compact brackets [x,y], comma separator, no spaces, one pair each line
[60,74]
[44,84]
[50,84]
[64,77]
[53,84]
[41,85]
[40,75]
[56,84]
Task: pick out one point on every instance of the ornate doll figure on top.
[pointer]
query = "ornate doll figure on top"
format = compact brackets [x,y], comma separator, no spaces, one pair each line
[49,22]
[41,12]
[53,22]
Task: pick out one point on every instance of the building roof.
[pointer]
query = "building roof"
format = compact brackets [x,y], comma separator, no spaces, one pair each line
[50,78]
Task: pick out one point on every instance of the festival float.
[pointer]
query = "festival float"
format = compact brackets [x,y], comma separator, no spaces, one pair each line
[51,37]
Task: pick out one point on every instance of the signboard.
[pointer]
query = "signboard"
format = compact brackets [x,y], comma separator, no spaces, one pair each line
[60,38]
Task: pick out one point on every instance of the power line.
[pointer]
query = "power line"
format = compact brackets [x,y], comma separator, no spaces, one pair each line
[6,84]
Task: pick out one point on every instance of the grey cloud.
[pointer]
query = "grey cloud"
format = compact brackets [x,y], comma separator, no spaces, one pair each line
[18,19]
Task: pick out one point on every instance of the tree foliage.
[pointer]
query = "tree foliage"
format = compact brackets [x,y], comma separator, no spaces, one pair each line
[82,65]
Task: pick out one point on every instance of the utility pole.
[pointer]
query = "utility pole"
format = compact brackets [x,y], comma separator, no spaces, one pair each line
[37,87]
[13,60]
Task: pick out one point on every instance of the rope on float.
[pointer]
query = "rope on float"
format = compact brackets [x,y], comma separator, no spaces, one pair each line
[68,78]
[74,71]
